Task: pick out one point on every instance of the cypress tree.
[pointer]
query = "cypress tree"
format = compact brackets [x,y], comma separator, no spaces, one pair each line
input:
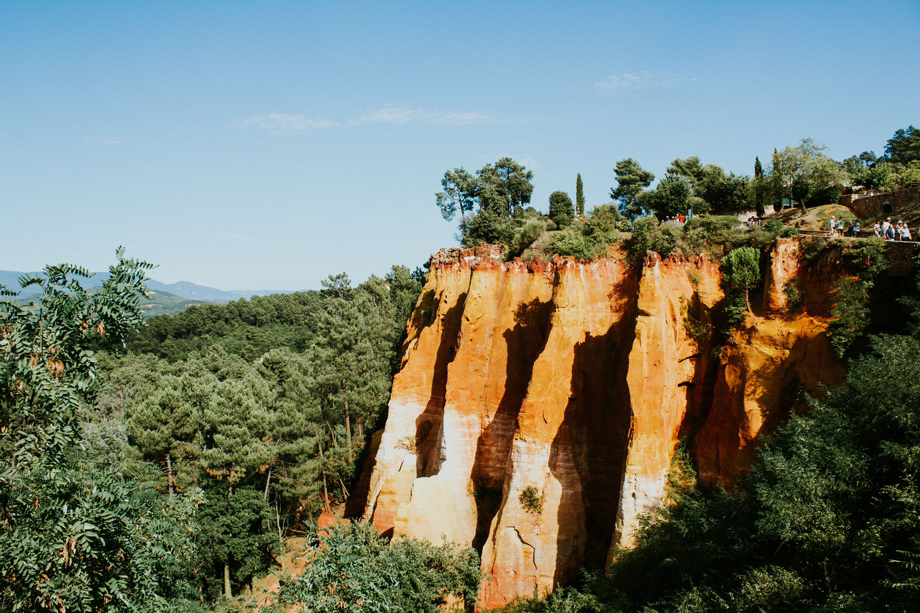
[579,197]
[758,187]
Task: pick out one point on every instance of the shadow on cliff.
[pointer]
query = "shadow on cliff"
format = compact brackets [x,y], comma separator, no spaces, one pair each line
[429,426]
[588,453]
[525,342]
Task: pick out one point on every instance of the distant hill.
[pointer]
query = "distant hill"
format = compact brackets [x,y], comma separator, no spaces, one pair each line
[182,289]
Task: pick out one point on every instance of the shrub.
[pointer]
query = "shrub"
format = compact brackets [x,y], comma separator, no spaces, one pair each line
[572,242]
[701,232]
[525,236]
[532,500]
[648,235]
[487,227]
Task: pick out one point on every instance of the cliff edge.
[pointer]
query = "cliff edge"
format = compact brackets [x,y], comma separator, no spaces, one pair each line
[539,404]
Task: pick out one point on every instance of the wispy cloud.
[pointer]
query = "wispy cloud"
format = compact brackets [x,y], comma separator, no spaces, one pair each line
[285,123]
[106,140]
[288,123]
[402,114]
[643,80]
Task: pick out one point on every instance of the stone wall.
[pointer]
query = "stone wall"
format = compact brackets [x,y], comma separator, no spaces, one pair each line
[882,205]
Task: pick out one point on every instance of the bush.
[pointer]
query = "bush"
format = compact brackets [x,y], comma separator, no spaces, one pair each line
[357,570]
[532,500]
[488,227]
[572,242]
[648,235]
[524,238]
[561,209]
[702,232]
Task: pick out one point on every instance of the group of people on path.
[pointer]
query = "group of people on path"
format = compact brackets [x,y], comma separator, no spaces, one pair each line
[892,232]
[884,229]
[838,227]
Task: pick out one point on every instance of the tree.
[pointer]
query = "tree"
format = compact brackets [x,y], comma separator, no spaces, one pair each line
[235,536]
[670,198]
[498,192]
[759,188]
[505,187]
[72,537]
[726,194]
[741,270]
[560,209]
[691,168]
[460,194]
[904,146]
[631,180]
[807,173]
[579,197]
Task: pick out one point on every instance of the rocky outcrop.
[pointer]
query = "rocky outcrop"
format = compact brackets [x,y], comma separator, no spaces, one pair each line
[539,404]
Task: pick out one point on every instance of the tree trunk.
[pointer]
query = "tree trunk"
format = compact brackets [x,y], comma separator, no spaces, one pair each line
[169,476]
[228,592]
[268,480]
[351,459]
[322,471]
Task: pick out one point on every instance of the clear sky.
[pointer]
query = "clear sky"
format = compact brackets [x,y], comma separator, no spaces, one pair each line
[266,145]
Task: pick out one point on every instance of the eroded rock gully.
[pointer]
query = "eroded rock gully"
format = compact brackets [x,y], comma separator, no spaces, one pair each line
[575,382]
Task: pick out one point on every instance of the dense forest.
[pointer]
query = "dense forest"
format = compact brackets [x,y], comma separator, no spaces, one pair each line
[159,464]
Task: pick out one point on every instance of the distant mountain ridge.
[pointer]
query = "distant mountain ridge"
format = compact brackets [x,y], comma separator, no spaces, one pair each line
[185,289]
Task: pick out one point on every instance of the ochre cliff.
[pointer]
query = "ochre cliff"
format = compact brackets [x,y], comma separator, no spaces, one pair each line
[574,382]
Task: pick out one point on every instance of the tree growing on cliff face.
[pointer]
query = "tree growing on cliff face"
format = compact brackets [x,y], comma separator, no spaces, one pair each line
[579,197]
[631,180]
[741,271]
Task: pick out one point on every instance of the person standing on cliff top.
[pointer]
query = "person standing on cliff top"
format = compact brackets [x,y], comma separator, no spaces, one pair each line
[833,227]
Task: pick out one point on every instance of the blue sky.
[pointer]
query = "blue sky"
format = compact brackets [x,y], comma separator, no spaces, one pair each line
[266,145]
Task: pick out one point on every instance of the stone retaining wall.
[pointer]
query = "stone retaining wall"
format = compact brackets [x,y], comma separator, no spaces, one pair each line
[882,205]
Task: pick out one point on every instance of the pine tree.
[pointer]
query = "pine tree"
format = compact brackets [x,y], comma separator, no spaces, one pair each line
[579,197]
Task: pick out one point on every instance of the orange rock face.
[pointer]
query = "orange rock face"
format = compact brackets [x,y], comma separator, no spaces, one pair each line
[539,404]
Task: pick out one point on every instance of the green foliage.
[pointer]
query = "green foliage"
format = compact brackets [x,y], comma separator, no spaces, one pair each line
[488,227]
[851,313]
[579,197]
[497,193]
[459,195]
[649,235]
[574,243]
[709,231]
[792,290]
[356,570]
[631,180]
[670,198]
[560,209]
[807,173]
[694,322]
[758,188]
[741,270]
[725,193]
[75,535]
[235,530]
[532,500]
[525,237]
[904,147]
